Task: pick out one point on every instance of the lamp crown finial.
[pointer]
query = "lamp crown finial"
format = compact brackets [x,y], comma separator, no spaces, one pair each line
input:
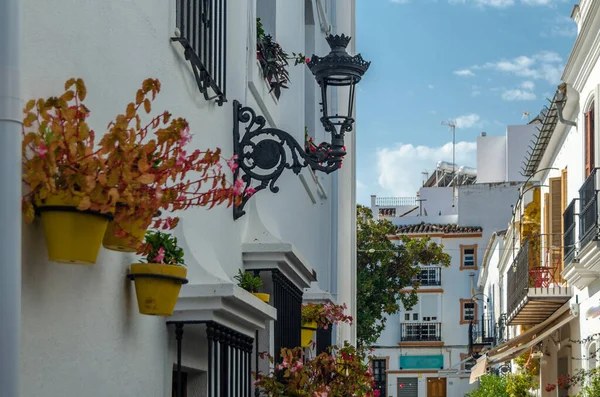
[338,40]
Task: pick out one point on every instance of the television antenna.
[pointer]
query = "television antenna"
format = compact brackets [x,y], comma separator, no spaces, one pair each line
[452,127]
[526,114]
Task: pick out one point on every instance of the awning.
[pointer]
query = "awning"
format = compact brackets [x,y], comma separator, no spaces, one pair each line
[478,370]
[516,346]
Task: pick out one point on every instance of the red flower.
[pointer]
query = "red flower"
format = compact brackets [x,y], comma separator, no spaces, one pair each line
[550,387]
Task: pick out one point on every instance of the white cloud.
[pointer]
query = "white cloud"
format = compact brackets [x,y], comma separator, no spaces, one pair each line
[546,65]
[528,85]
[430,86]
[475,91]
[464,72]
[518,95]
[400,1]
[560,26]
[467,121]
[400,168]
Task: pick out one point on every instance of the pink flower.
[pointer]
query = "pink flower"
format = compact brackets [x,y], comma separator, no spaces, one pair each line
[158,194]
[42,150]
[160,257]
[185,136]
[181,158]
[250,191]
[376,393]
[238,187]
[232,163]
[307,59]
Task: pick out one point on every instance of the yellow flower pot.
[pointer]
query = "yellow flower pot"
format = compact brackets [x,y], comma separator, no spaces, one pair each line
[136,230]
[72,236]
[263,297]
[157,287]
[307,333]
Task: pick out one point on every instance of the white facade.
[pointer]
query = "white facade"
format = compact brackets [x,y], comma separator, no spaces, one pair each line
[463,230]
[81,333]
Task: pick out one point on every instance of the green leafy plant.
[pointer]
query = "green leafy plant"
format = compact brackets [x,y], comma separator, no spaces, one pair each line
[248,282]
[384,270]
[520,384]
[490,385]
[590,385]
[527,364]
[162,247]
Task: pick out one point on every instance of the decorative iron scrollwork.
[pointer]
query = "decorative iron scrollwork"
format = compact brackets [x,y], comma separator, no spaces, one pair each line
[263,154]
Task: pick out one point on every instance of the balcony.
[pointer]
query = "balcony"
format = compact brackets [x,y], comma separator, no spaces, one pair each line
[430,276]
[582,258]
[481,334]
[421,332]
[534,291]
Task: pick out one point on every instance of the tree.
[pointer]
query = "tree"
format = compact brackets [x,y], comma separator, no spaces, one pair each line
[384,270]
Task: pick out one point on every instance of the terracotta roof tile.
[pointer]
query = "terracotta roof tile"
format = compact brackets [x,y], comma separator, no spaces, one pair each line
[437,228]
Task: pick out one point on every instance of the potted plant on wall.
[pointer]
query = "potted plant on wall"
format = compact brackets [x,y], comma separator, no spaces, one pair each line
[338,372]
[319,315]
[251,284]
[158,280]
[66,176]
[150,163]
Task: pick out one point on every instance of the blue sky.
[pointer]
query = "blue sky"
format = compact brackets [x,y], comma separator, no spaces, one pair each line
[479,62]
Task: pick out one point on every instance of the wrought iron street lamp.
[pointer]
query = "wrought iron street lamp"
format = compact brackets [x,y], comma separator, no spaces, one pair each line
[263,153]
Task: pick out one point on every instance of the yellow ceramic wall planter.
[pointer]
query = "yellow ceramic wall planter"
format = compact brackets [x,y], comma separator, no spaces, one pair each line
[263,297]
[307,333]
[135,230]
[157,287]
[72,236]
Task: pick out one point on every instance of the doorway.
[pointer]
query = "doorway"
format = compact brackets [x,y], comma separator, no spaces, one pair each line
[436,387]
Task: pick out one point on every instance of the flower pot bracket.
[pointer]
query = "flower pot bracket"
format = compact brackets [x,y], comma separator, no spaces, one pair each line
[162,276]
[62,208]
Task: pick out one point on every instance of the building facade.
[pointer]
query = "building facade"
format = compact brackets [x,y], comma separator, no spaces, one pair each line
[429,349]
[544,267]
[80,332]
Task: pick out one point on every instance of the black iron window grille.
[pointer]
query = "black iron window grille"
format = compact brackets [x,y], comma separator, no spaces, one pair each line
[429,276]
[202,28]
[569,240]
[229,366]
[287,299]
[469,257]
[482,332]
[380,376]
[469,311]
[418,332]
[323,339]
[588,208]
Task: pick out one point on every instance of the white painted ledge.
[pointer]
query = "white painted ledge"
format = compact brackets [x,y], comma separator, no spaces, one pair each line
[315,294]
[281,256]
[226,304]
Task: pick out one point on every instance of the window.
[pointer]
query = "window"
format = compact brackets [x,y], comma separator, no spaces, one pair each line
[406,316]
[468,311]
[380,376]
[468,362]
[590,154]
[554,227]
[202,28]
[415,316]
[430,276]
[592,356]
[468,257]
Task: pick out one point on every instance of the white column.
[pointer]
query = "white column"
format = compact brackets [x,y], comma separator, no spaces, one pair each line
[10,197]
[345,23]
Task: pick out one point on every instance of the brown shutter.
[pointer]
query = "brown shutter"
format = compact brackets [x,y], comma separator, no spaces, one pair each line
[555,223]
[546,232]
[564,191]
[589,142]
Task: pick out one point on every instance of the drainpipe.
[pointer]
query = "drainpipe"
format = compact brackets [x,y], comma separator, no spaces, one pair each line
[10,196]
[561,99]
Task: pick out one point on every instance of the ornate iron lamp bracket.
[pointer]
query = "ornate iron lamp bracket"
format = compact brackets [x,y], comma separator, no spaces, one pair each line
[264,153]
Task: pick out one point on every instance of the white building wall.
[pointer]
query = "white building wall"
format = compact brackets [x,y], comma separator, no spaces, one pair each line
[491,159]
[518,139]
[81,332]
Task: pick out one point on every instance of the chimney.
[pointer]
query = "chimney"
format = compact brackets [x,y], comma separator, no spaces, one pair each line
[484,134]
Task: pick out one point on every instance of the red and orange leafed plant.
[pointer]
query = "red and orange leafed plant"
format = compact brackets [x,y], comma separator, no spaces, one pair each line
[137,169]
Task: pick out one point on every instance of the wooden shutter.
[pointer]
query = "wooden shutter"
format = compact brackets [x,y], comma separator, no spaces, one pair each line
[555,223]
[589,142]
[547,241]
[564,191]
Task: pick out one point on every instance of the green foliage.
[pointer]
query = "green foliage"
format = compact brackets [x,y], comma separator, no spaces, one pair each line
[531,367]
[519,384]
[384,270]
[490,385]
[247,281]
[162,248]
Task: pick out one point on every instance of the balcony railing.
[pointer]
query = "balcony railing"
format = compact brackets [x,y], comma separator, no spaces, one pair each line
[481,333]
[569,238]
[395,201]
[429,276]
[421,332]
[529,281]
[501,330]
[588,208]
